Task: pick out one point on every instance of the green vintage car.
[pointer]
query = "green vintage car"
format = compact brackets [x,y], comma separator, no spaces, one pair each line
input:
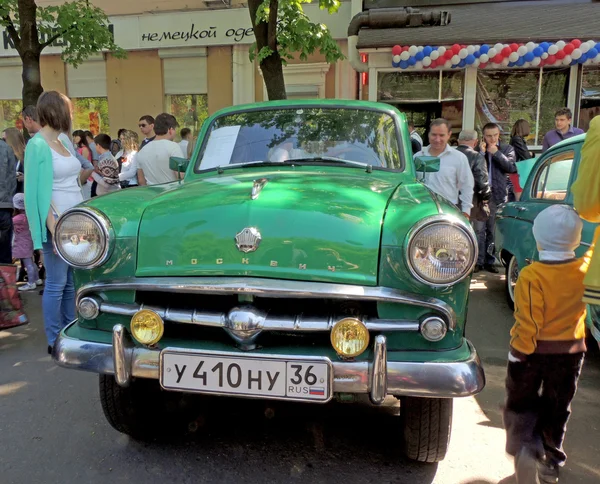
[545,182]
[298,259]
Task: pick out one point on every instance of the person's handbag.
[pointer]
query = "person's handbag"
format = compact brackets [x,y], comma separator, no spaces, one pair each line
[11,307]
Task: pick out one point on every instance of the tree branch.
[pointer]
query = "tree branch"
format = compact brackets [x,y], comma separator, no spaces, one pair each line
[12,32]
[272,26]
[53,38]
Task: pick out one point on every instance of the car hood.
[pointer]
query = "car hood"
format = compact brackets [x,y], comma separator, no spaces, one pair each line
[314,224]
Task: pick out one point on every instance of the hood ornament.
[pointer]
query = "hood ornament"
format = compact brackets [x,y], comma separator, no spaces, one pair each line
[248,240]
[257,187]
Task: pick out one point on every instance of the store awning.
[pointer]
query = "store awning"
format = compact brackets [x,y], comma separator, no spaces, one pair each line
[492,23]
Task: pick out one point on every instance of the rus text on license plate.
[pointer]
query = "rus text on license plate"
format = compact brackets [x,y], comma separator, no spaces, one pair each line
[286,379]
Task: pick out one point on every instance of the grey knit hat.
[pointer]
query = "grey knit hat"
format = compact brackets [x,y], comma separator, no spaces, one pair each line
[19,201]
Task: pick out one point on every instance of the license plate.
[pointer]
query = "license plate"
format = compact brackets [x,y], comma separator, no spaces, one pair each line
[225,374]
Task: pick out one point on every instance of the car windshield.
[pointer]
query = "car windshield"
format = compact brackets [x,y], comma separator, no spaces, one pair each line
[318,135]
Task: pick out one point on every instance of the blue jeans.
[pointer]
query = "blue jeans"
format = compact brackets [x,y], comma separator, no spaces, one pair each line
[58,301]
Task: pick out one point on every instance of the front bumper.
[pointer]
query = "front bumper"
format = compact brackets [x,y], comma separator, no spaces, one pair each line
[378,377]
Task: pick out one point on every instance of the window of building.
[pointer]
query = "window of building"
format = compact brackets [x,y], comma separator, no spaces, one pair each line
[10,94]
[505,96]
[186,86]
[552,181]
[590,96]
[304,81]
[10,114]
[86,86]
[91,113]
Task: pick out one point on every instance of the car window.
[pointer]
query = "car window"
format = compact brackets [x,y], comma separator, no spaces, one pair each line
[287,134]
[552,181]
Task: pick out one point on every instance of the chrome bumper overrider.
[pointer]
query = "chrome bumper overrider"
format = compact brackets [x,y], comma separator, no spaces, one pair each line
[378,378]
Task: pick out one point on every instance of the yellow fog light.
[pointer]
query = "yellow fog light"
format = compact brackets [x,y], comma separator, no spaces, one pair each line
[147,327]
[349,337]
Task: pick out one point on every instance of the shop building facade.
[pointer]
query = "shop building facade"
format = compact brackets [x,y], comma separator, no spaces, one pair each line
[545,55]
[183,57]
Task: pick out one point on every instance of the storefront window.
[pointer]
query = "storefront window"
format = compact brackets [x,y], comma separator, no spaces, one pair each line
[505,96]
[10,114]
[190,110]
[590,96]
[414,86]
[91,114]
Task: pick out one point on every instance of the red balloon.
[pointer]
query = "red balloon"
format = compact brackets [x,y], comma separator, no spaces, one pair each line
[569,48]
[455,49]
[405,48]
[576,43]
[551,59]
[449,54]
[483,65]
[506,51]
[498,59]
[513,48]
[433,64]
[396,50]
[561,54]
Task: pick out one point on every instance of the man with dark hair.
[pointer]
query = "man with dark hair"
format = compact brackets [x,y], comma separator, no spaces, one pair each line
[186,136]
[563,129]
[153,160]
[146,125]
[501,161]
[30,120]
[106,174]
[454,180]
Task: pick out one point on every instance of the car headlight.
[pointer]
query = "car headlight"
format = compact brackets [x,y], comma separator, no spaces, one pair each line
[442,250]
[83,238]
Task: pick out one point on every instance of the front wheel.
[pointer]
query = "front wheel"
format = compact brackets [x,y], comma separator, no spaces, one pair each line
[512,274]
[426,427]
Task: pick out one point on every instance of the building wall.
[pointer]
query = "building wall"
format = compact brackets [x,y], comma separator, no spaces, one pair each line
[52,70]
[220,78]
[135,88]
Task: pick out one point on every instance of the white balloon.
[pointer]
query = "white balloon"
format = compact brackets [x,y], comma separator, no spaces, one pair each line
[442,50]
[396,59]
[463,53]
[561,44]
[484,58]
[505,62]
[584,47]
[567,60]
[591,43]
[498,47]
[405,55]
[418,65]
[545,55]
[553,49]
[427,61]
[576,54]
[492,53]
[448,64]
[455,59]
[530,46]
[470,49]
[477,62]
[412,50]
[435,55]
[536,61]
[513,57]
[522,50]
[420,49]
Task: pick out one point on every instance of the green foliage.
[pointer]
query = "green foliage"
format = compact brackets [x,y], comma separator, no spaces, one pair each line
[296,33]
[80,28]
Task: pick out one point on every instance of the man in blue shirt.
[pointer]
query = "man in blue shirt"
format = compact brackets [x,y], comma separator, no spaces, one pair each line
[564,130]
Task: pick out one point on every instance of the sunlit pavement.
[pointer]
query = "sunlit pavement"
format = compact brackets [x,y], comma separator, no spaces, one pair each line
[52,428]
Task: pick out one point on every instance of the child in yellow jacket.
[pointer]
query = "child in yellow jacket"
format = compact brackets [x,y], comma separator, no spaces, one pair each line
[547,348]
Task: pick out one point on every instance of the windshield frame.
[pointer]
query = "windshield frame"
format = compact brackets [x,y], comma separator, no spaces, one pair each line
[304,105]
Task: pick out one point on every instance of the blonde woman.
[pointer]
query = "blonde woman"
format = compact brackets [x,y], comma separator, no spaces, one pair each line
[130,143]
[14,139]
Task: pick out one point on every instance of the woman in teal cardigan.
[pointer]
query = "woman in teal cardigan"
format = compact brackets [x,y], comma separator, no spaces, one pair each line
[51,187]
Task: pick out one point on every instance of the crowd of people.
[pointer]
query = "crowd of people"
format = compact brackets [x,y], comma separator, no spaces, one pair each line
[57,169]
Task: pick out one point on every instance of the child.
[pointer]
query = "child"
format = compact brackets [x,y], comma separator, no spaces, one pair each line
[546,349]
[107,171]
[23,244]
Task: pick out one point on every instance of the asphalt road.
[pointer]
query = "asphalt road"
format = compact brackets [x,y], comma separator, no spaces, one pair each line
[52,429]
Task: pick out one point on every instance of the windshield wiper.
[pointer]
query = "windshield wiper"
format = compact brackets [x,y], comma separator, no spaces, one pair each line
[368,167]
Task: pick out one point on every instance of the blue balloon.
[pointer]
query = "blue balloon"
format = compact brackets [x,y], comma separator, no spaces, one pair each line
[583,58]
[544,46]
[597,46]
[462,63]
[403,64]
[520,62]
[529,57]
[396,64]
[538,51]
[484,49]
[411,61]
[592,53]
[470,59]
[427,51]
[511,64]
[419,56]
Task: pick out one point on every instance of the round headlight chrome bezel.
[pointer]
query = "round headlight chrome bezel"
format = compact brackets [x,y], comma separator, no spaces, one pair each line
[441,220]
[102,222]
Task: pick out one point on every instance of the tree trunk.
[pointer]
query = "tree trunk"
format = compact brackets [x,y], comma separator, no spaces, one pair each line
[266,36]
[32,85]
[29,49]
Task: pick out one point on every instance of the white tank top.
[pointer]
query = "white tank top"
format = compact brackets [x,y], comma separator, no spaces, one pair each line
[66,192]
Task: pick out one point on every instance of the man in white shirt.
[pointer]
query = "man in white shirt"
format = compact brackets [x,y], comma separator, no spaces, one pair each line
[186,136]
[153,160]
[454,180]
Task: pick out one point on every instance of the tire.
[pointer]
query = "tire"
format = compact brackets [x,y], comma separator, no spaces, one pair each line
[512,268]
[426,427]
[142,410]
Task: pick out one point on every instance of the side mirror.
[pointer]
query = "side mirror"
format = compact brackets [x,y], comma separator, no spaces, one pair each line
[179,165]
[427,164]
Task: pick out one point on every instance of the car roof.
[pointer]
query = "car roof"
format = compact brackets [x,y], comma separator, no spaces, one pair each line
[580,138]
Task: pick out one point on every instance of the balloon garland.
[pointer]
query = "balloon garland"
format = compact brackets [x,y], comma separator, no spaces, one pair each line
[531,54]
